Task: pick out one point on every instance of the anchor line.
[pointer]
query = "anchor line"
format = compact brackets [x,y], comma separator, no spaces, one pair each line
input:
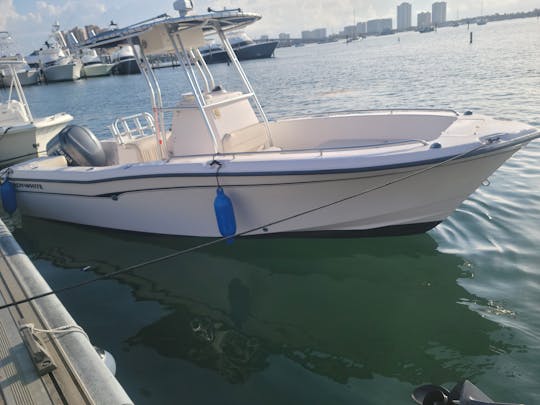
[243,233]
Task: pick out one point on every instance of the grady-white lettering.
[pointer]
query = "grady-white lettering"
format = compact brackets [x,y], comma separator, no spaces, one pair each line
[28,186]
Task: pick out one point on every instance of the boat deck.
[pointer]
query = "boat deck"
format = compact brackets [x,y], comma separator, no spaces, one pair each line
[44,368]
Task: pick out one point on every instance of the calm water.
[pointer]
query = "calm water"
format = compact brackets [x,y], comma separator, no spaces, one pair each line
[354,321]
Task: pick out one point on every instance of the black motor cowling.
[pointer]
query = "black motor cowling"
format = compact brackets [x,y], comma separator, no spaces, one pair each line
[464,393]
[79,146]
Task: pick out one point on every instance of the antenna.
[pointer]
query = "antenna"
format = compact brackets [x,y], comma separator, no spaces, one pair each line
[183,7]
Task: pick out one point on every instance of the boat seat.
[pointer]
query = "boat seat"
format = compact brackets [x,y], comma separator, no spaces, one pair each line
[143,149]
[249,139]
[49,162]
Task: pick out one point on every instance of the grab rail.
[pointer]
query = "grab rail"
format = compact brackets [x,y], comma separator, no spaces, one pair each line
[228,101]
[126,129]
[319,151]
[391,111]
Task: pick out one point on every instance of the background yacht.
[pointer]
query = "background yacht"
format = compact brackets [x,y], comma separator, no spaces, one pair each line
[124,61]
[93,65]
[22,135]
[244,47]
[27,75]
[56,60]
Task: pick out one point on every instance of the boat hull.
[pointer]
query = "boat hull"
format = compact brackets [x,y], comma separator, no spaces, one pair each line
[29,78]
[23,142]
[254,51]
[63,73]
[126,67]
[97,70]
[257,51]
[26,78]
[348,203]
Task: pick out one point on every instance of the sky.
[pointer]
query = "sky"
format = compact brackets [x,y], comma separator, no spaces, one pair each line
[30,21]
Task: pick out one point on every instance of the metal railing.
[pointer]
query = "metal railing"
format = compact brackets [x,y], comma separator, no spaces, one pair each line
[315,150]
[127,129]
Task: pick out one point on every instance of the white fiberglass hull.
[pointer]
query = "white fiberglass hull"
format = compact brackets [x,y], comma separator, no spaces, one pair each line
[26,78]
[96,70]
[62,73]
[29,78]
[164,201]
[26,141]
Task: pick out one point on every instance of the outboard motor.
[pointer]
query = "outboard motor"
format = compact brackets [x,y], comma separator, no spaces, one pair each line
[79,146]
[464,393]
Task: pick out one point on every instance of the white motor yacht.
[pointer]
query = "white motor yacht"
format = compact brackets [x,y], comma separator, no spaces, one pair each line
[224,169]
[62,69]
[56,60]
[22,136]
[27,75]
[93,66]
[124,61]
[244,47]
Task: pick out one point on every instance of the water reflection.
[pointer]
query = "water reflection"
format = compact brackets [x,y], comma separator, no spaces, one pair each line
[343,309]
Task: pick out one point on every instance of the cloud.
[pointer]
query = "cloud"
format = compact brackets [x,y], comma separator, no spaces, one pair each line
[8,14]
[73,8]
[31,28]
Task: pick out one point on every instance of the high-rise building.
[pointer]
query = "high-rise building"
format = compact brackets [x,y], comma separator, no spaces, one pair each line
[423,19]
[361,28]
[320,33]
[350,31]
[317,34]
[78,33]
[438,11]
[404,16]
[379,26]
[92,30]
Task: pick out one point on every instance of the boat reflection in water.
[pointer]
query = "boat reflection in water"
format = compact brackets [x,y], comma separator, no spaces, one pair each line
[380,314]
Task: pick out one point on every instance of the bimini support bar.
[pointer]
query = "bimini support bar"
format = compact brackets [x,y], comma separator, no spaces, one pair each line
[144,67]
[185,62]
[159,112]
[20,93]
[205,68]
[247,84]
[198,64]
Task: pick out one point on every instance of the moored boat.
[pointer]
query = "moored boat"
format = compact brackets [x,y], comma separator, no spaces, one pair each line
[23,136]
[62,70]
[93,66]
[56,61]
[424,29]
[124,62]
[348,174]
[27,75]
[244,47]
[481,21]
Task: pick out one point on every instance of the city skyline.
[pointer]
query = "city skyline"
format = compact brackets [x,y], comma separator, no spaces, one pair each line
[404,16]
[30,21]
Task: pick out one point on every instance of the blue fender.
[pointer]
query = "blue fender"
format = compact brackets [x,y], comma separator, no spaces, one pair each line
[224,213]
[9,197]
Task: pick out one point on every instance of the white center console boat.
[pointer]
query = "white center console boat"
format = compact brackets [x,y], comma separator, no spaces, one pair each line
[344,174]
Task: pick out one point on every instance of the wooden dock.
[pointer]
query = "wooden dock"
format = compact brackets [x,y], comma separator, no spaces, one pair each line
[45,357]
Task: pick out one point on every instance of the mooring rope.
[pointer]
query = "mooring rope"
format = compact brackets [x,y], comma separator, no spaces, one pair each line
[243,233]
[60,330]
